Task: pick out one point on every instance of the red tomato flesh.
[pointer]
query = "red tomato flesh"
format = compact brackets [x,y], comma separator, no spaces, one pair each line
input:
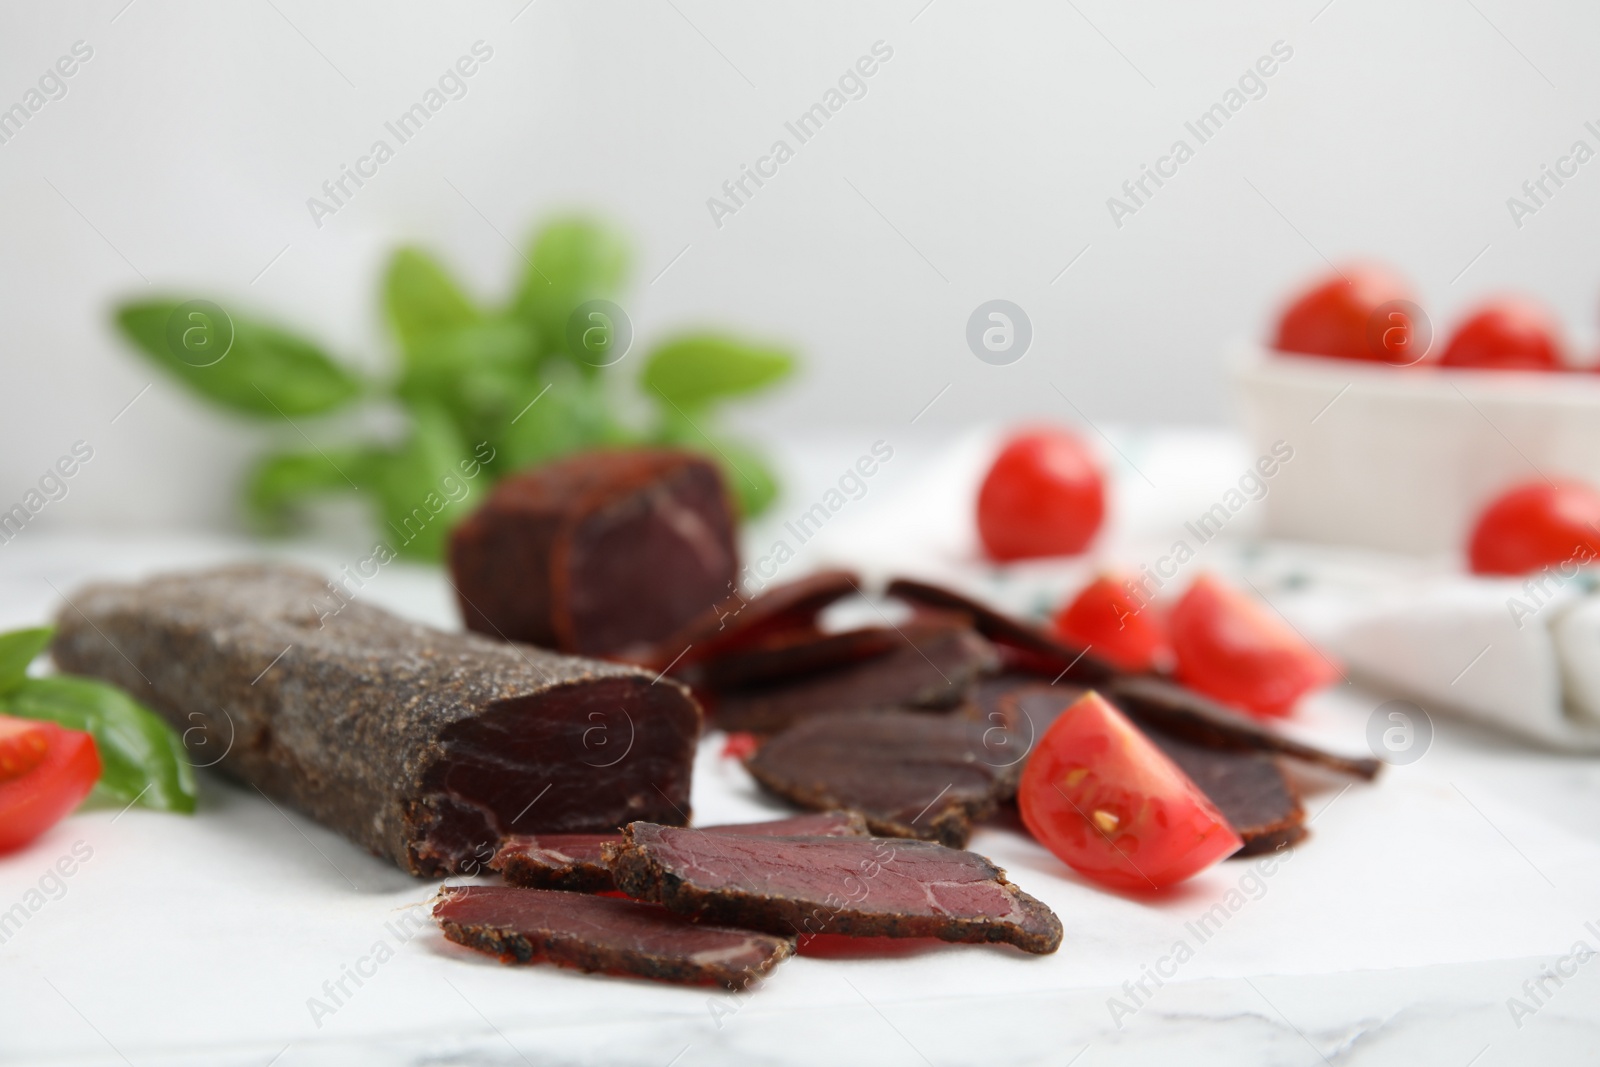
[1237,651]
[1506,334]
[1537,525]
[23,746]
[1336,318]
[36,799]
[1112,806]
[1104,616]
[1044,496]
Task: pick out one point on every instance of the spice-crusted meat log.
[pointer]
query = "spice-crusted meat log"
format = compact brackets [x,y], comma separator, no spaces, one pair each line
[604,934]
[577,862]
[857,886]
[601,553]
[426,747]
[909,773]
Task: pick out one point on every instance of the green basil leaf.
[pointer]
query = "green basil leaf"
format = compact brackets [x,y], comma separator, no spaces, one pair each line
[279,482]
[425,487]
[573,260]
[422,300]
[567,414]
[246,366]
[696,369]
[476,372]
[18,649]
[140,755]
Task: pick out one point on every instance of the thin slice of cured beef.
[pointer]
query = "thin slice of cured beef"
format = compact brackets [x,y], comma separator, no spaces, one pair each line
[605,934]
[863,887]
[576,862]
[909,774]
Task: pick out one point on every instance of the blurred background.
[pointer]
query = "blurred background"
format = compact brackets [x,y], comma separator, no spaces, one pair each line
[977,165]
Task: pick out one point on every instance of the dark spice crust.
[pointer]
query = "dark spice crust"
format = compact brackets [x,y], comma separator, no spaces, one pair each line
[640,875]
[348,720]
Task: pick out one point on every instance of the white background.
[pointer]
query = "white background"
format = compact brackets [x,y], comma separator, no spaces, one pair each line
[977,166]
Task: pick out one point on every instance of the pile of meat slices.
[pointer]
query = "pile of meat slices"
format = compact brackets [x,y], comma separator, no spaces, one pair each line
[900,738]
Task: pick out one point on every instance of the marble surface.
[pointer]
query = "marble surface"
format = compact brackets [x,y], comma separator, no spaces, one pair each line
[1433,918]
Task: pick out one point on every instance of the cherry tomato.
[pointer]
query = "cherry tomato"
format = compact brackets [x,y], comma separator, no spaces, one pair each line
[1237,651]
[23,746]
[38,797]
[1104,616]
[1340,317]
[1113,807]
[1044,496]
[1536,525]
[1506,334]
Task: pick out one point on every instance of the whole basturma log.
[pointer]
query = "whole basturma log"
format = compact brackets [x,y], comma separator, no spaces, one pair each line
[576,862]
[909,774]
[426,747]
[604,934]
[601,553]
[860,887]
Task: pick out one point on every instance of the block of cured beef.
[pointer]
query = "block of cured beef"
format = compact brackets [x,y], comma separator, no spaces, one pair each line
[600,553]
[605,934]
[855,886]
[1248,787]
[1030,646]
[933,665]
[577,862]
[736,619]
[909,774]
[1186,714]
[425,747]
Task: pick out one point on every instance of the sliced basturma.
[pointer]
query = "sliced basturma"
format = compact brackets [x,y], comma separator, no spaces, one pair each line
[789,653]
[576,862]
[425,747]
[933,665]
[856,886]
[604,934]
[1188,715]
[1037,649]
[599,553]
[1249,788]
[733,619]
[908,773]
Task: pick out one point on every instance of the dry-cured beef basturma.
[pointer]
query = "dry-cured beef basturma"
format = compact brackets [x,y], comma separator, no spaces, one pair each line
[426,747]
[601,553]
[605,934]
[735,620]
[577,861]
[909,774]
[856,886]
[933,665]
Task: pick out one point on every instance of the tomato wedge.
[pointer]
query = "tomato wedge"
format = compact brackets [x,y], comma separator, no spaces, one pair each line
[1044,496]
[1536,525]
[1106,617]
[1112,806]
[1235,650]
[41,795]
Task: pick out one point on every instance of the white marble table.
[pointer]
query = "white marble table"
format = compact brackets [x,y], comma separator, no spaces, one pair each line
[1406,931]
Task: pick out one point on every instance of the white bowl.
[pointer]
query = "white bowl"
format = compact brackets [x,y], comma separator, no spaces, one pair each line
[1404,459]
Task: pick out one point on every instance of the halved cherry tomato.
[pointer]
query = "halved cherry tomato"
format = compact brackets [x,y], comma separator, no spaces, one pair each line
[1506,334]
[740,745]
[1237,651]
[1106,617]
[1536,525]
[1339,317]
[1044,496]
[37,798]
[1112,806]
[23,746]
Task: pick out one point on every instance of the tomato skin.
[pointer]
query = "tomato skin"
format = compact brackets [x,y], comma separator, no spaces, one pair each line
[1537,525]
[1235,650]
[1105,800]
[1043,496]
[1506,334]
[1335,317]
[1106,617]
[35,801]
